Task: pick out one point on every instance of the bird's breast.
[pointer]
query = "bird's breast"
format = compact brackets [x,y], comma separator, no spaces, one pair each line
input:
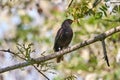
[66,37]
[68,32]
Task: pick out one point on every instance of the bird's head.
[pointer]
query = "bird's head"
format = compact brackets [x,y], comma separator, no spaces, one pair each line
[68,21]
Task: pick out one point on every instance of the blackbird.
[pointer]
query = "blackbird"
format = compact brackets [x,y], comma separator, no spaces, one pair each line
[63,37]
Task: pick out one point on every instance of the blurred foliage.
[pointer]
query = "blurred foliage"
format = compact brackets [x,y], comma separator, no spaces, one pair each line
[71,77]
[99,18]
[95,13]
[92,17]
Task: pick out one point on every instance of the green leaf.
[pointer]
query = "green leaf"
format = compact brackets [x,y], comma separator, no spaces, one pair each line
[104,8]
[98,15]
[26,18]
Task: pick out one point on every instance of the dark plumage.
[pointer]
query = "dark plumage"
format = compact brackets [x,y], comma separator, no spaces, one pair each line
[63,37]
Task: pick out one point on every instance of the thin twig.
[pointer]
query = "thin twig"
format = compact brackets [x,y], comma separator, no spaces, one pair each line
[13,53]
[25,60]
[96,2]
[41,72]
[105,52]
[64,51]
[70,3]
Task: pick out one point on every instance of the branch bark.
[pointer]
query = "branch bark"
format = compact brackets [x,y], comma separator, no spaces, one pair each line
[105,52]
[65,51]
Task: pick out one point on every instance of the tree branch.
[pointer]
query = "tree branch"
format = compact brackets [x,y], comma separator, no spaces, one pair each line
[26,61]
[65,51]
[41,72]
[70,3]
[105,52]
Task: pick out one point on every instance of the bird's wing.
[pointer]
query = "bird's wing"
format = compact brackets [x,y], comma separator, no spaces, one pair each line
[59,35]
[57,38]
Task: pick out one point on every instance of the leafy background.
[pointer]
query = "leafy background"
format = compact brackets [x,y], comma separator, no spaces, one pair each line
[37,22]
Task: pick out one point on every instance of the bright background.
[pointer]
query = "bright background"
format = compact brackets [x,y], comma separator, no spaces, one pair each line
[37,21]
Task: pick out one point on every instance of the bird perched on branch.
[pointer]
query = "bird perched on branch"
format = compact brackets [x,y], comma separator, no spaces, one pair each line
[63,37]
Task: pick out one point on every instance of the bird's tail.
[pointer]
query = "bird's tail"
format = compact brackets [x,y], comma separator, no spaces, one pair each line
[60,58]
